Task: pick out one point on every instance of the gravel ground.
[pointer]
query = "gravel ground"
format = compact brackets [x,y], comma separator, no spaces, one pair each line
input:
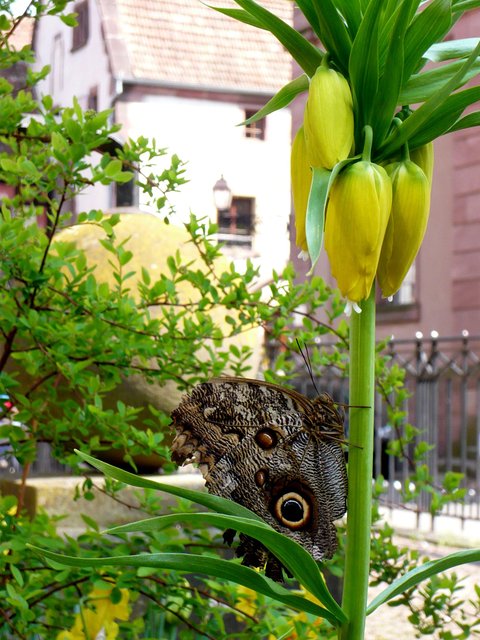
[391,623]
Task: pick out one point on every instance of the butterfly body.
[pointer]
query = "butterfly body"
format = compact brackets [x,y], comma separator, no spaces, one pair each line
[271,450]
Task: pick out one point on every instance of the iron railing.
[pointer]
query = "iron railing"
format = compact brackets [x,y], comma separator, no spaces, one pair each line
[442,376]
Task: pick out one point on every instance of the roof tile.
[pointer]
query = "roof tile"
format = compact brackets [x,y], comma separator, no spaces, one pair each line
[184,42]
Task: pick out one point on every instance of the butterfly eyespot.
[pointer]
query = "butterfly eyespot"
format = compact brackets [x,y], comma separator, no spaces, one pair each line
[292,510]
[266,439]
[261,477]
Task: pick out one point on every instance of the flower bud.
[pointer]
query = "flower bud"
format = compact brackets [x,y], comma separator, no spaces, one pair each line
[423,156]
[357,217]
[301,176]
[406,226]
[328,119]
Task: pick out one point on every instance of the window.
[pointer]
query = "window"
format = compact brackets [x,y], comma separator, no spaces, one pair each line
[92,100]
[126,193]
[406,294]
[403,306]
[255,129]
[58,59]
[236,225]
[80,32]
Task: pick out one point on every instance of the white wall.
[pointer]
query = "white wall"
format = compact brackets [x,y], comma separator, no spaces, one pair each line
[204,133]
[81,70]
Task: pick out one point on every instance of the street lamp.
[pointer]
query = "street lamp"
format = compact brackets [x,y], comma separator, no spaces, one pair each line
[222,194]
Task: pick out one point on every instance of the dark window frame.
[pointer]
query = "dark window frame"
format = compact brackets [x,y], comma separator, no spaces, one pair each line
[255,130]
[236,225]
[81,32]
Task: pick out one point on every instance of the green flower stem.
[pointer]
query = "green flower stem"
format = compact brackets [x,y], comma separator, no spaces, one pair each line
[360,467]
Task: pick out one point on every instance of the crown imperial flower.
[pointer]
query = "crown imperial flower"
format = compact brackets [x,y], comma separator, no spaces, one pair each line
[301,176]
[328,118]
[406,226]
[357,217]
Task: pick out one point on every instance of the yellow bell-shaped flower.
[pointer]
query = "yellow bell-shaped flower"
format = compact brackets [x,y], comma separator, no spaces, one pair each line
[328,119]
[301,176]
[356,220]
[424,157]
[406,226]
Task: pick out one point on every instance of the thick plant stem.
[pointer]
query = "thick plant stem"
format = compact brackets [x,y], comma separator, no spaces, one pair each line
[360,461]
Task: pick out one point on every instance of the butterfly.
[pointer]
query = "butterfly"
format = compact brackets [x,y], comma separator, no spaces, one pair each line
[273,451]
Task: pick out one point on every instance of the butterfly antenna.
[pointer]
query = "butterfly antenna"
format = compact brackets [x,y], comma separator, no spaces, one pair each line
[303,350]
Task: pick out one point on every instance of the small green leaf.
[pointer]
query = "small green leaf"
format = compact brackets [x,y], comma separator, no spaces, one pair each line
[113,168]
[17,575]
[69,19]
[9,165]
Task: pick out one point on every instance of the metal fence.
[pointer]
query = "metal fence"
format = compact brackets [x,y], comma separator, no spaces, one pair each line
[443,378]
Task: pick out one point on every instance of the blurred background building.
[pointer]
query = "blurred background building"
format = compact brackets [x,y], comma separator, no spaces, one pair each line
[188,77]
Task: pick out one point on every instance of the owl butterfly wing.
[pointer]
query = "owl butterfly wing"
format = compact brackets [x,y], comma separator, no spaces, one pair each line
[298,486]
[271,450]
[215,416]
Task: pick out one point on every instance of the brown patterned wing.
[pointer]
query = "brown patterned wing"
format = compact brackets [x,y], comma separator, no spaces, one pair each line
[268,449]
[216,415]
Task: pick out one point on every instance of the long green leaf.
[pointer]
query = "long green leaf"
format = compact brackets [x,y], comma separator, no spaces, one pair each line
[220,505]
[303,51]
[363,66]
[423,572]
[298,561]
[444,119]
[333,33]
[417,120]
[240,15]
[450,49]
[423,86]
[465,5]
[281,99]
[470,120]
[308,10]
[352,12]
[191,563]
[385,100]
[315,216]
[428,26]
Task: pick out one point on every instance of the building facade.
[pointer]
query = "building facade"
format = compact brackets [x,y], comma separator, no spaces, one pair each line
[187,76]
